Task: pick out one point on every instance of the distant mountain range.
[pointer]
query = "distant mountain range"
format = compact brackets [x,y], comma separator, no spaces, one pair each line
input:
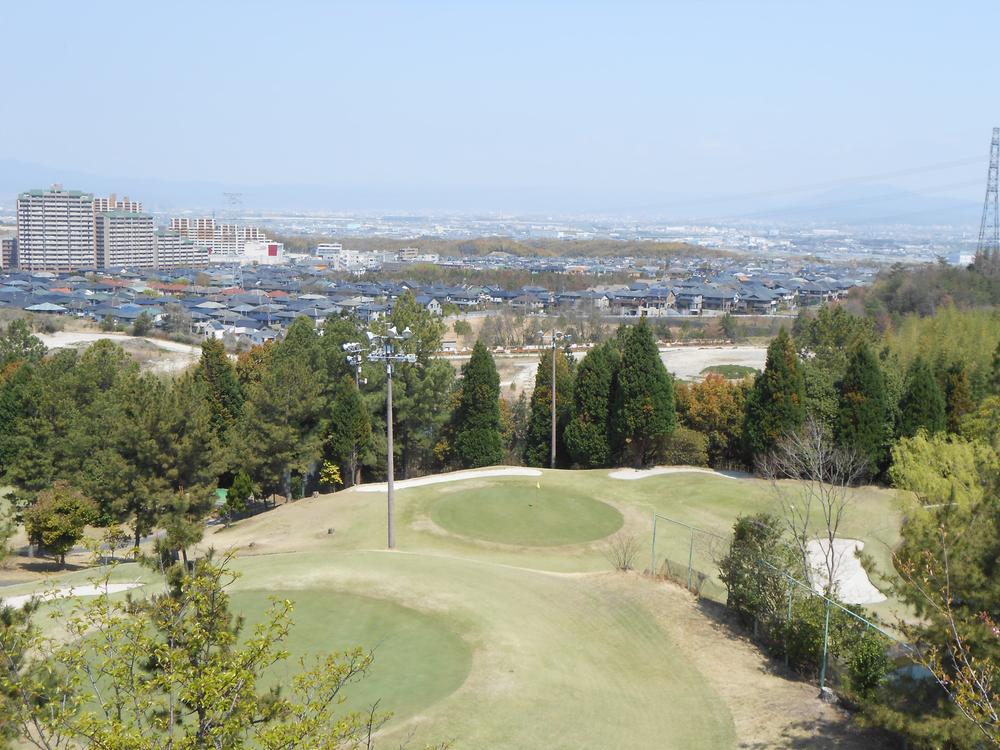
[865,204]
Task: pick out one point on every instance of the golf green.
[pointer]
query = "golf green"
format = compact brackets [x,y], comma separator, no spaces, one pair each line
[526,514]
[417,659]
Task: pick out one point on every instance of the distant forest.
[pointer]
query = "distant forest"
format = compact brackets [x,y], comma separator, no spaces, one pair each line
[546,248]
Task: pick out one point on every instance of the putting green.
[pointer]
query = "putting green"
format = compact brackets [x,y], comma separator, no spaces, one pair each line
[525,514]
[418,660]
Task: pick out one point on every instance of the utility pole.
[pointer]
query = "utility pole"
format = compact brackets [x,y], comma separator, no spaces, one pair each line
[988,247]
[384,350]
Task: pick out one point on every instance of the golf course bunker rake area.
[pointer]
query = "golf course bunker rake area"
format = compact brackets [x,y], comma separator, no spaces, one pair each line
[524,513]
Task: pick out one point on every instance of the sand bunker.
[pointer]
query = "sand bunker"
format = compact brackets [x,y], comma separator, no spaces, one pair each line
[111,588]
[851,582]
[643,473]
[457,476]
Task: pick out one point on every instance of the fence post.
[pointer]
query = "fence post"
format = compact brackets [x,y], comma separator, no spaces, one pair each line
[826,639]
[788,621]
[690,558]
[652,553]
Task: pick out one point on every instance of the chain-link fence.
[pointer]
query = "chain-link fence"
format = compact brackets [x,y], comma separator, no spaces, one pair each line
[813,633]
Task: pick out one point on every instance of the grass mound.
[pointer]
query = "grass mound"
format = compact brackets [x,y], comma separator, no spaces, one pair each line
[525,514]
[732,372]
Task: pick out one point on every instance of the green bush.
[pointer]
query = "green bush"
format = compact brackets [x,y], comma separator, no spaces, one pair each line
[867,665]
[686,447]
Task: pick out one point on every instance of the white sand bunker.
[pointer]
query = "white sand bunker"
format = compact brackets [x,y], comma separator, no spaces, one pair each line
[111,588]
[851,582]
[643,473]
[458,476]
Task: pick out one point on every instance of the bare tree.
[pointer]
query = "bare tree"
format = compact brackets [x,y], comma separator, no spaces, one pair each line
[817,499]
[622,550]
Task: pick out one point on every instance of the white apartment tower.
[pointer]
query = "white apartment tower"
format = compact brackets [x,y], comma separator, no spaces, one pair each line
[225,239]
[112,203]
[125,239]
[55,230]
[176,251]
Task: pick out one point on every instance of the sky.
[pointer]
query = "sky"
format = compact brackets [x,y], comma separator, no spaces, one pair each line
[583,104]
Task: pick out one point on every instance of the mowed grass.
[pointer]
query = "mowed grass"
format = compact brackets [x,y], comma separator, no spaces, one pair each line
[525,514]
[433,658]
[497,622]
[732,372]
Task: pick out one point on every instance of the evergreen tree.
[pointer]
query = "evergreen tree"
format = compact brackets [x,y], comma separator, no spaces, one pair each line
[476,421]
[282,426]
[225,397]
[538,442]
[587,432]
[863,410]
[922,405]
[350,428]
[995,375]
[776,403]
[957,395]
[642,413]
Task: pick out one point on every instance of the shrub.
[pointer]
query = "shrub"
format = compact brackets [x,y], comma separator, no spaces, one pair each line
[686,447]
[867,665]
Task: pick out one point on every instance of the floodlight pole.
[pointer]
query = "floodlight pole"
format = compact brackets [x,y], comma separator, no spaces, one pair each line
[384,350]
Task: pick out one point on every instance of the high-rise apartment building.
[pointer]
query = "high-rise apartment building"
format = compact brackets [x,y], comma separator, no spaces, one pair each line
[112,203]
[176,251]
[55,230]
[125,239]
[8,253]
[227,239]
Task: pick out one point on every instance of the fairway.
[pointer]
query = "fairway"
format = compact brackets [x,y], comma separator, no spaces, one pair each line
[525,514]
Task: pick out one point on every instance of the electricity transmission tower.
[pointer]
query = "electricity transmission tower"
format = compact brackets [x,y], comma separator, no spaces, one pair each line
[988,249]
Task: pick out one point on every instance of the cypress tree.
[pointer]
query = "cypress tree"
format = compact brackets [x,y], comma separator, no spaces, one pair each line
[477,418]
[587,433]
[225,397]
[995,375]
[776,404]
[957,396]
[863,409]
[643,414]
[538,444]
[922,406]
[350,428]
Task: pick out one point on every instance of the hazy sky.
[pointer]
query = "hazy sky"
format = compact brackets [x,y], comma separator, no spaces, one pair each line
[608,99]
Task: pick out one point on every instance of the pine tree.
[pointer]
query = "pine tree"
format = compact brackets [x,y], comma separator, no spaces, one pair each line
[538,443]
[587,433]
[642,414]
[776,403]
[863,409]
[476,421]
[281,430]
[922,405]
